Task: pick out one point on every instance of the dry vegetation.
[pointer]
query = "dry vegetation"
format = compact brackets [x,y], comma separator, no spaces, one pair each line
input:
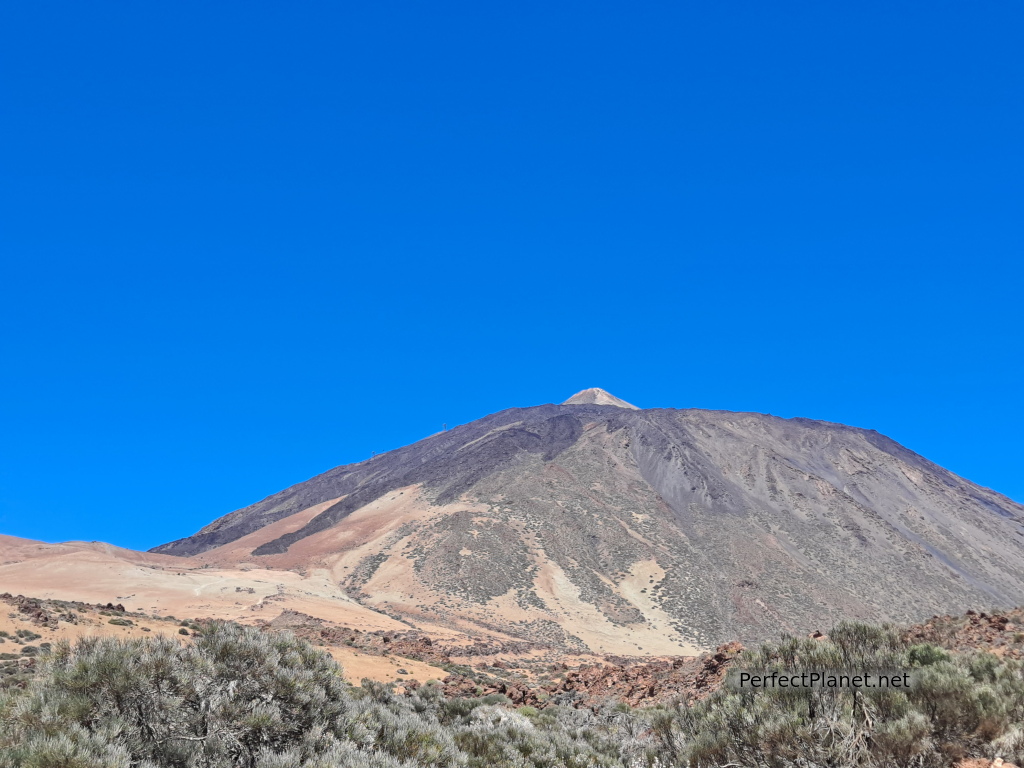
[242,696]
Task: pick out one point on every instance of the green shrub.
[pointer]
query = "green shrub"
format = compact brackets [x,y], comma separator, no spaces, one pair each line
[925,655]
[959,705]
[222,701]
[239,697]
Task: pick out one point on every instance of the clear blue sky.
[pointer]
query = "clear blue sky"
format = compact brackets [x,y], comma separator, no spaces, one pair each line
[245,242]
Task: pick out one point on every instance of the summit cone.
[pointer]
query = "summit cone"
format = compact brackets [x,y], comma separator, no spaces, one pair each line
[597,396]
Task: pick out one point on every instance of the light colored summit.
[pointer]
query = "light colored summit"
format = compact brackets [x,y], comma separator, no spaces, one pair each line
[596,396]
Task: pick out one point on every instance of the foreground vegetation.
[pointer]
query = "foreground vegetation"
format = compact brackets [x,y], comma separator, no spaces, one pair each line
[238,696]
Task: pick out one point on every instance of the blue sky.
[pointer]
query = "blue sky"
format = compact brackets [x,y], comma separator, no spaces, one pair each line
[242,243]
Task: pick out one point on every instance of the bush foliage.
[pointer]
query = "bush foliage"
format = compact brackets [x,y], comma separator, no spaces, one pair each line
[238,696]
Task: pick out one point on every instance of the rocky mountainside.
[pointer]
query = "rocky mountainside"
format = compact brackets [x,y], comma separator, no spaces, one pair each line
[597,527]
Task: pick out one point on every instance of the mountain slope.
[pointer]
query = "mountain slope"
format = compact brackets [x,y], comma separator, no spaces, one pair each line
[617,530]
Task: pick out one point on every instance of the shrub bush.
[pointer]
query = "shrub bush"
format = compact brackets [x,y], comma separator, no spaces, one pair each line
[239,697]
[960,705]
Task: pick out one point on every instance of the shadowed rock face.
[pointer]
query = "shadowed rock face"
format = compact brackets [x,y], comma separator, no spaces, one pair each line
[449,463]
[700,525]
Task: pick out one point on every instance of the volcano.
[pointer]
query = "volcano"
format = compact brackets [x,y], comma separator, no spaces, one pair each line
[596,526]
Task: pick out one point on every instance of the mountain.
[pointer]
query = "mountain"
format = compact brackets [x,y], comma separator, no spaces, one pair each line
[595,526]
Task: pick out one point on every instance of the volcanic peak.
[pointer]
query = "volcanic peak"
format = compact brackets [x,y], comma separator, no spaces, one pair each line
[597,396]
